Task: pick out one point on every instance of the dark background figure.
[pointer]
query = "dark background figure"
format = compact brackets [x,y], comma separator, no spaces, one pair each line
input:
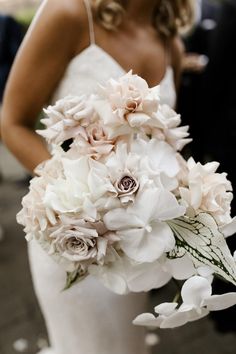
[11,35]
[218,123]
[207,13]
[197,45]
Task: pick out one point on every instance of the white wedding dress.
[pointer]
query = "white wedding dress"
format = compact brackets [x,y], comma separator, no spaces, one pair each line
[88,318]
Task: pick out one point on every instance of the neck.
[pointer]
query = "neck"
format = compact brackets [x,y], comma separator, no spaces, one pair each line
[140,10]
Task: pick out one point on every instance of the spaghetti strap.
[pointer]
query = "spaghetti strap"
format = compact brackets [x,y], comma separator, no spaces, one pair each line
[90,21]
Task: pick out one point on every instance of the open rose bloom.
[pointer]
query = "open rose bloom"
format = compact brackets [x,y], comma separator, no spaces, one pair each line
[121,204]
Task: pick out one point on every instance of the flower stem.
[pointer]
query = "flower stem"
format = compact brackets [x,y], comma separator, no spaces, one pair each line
[177,297]
[178,294]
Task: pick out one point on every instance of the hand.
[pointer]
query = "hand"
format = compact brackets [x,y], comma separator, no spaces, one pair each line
[193,62]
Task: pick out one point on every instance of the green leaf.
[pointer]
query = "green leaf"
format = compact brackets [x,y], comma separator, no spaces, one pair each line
[74,277]
[201,239]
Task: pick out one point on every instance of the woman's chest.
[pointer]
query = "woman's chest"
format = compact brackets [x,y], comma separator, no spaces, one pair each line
[142,53]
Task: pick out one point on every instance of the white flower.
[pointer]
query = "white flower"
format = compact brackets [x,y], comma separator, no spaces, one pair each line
[35,216]
[123,275]
[157,157]
[229,229]
[66,119]
[93,142]
[84,182]
[130,94]
[180,268]
[197,302]
[206,190]
[151,162]
[128,105]
[144,234]
[169,129]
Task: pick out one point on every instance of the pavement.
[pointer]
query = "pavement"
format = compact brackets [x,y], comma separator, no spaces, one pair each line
[22,327]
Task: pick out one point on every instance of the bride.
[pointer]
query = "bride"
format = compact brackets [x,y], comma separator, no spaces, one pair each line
[70,47]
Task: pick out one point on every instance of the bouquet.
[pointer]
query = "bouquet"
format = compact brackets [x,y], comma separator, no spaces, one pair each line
[122,204]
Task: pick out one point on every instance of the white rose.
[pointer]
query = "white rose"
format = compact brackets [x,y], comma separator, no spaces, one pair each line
[206,190]
[128,104]
[66,119]
[94,142]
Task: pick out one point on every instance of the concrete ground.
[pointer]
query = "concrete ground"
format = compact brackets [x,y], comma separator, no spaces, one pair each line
[21,324]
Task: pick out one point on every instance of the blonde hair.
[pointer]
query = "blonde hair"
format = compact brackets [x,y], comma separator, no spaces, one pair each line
[169,17]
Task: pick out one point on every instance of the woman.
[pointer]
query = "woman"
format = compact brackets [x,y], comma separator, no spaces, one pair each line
[70,47]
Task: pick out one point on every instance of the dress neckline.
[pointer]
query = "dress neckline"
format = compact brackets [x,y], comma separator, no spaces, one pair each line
[95,46]
[112,59]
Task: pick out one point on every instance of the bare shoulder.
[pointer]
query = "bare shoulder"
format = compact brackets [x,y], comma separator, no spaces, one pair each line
[60,19]
[55,35]
[62,11]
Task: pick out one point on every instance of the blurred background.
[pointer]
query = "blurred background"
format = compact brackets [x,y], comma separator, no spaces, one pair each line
[206,101]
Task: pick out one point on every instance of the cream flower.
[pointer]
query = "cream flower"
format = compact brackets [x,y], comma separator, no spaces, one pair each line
[66,119]
[130,94]
[128,105]
[35,216]
[206,190]
[93,142]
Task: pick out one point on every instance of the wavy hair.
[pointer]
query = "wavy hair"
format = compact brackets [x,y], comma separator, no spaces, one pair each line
[169,17]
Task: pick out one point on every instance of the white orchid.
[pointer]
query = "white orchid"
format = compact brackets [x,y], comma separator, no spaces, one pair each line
[198,301]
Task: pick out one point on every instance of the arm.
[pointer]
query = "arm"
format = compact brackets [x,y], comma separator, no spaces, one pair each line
[40,63]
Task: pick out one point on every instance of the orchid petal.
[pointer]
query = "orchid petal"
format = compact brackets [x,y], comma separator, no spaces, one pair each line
[220,302]
[195,290]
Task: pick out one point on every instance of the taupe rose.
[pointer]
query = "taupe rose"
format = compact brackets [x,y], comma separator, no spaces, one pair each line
[126,188]
[78,240]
